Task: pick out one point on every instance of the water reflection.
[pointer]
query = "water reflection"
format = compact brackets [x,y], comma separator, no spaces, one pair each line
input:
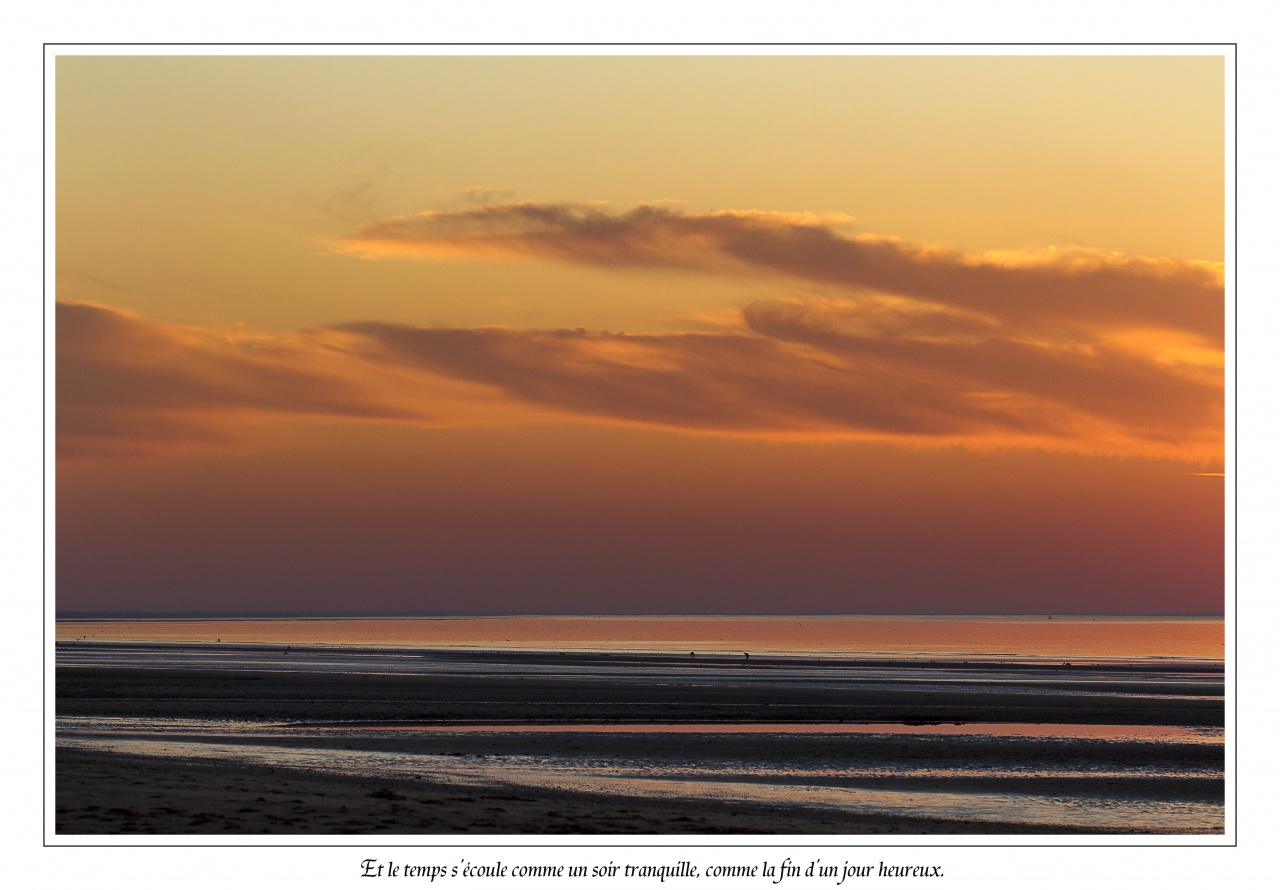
[1109,794]
[884,635]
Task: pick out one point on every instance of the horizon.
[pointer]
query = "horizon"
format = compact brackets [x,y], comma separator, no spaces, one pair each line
[83,615]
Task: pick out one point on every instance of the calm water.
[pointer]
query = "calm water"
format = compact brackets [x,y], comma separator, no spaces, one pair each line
[850,635]
[1154,779]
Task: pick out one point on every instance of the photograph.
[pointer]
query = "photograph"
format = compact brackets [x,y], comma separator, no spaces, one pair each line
[545,442]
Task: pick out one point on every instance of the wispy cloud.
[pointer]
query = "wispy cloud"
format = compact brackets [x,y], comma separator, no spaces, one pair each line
[1052,292]
[1151,398]
[1071,351]
[796,376]
[129,385]
[483,194]
[796,369]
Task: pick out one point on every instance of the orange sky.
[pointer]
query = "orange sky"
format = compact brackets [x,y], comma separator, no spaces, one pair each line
[619,334]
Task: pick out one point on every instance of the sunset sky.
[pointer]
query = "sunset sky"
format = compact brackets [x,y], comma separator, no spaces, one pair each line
[647,334]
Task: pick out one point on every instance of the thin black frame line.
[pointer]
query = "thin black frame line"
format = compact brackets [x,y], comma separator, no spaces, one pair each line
[44,434]
[611,846]
[1235,421]
[1235,249]
[635,43]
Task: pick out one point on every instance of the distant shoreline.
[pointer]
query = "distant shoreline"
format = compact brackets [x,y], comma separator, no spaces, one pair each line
[621,658]
[1065,639]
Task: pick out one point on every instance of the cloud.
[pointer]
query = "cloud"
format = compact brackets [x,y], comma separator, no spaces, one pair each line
[885,368]
[482,194]
[1054,292]
[127,385]
[1068,349]
[698,382]
[798,372]
[1148,398]
[796,369]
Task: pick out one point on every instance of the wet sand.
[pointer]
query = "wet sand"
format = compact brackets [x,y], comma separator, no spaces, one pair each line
[102,791]
[508,695]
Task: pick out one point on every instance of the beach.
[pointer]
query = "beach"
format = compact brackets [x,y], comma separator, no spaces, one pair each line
[107,793]
[177,738]
[635,689]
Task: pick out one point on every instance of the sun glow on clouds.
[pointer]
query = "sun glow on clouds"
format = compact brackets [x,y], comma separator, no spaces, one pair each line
[133,386]
[1068,351]
[1063,291]
[1064,349]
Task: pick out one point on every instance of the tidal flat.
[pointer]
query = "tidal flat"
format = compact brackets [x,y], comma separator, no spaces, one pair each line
[248,738]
